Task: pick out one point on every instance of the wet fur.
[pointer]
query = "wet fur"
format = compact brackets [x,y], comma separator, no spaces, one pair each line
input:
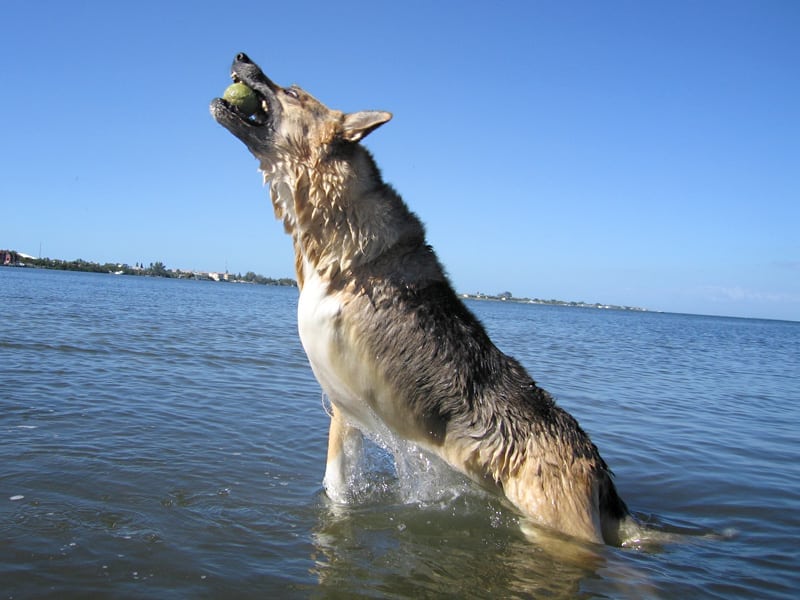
[388,339]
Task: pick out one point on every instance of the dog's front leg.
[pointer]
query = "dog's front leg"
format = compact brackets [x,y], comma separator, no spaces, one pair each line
[344,455]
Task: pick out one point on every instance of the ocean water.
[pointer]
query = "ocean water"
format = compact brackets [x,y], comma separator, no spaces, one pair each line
[166,439]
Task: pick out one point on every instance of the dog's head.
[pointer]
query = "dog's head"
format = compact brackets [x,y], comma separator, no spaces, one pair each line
[289,122]
[324,185]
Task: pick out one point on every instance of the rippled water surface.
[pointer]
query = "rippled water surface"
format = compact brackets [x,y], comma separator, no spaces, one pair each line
[166,439]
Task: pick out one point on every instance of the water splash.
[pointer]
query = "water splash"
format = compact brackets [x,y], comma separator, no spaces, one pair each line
[650,533]
[387,469]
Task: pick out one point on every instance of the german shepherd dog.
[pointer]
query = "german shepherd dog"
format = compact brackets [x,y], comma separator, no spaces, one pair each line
[389,341]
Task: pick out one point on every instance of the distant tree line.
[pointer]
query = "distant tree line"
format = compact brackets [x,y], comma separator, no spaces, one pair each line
[509,297]
[251,277]
[156,269]
[77,265]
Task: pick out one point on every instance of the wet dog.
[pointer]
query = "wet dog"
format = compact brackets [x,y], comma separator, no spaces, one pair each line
[388,339]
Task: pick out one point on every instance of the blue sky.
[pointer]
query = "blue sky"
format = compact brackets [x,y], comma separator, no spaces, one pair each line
[643,153]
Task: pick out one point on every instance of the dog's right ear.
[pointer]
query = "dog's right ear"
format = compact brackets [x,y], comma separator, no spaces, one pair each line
[356,126]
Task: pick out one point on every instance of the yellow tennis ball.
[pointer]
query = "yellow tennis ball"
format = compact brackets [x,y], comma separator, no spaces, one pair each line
[242,97]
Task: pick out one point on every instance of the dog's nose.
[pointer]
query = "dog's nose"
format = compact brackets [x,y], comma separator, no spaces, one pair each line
[242,57]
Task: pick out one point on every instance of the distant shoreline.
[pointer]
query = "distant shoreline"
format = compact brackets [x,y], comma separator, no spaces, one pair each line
[11,258]
[506,297]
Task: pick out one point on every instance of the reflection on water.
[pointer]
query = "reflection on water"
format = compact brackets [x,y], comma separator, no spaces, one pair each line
[415,528]
[418,552]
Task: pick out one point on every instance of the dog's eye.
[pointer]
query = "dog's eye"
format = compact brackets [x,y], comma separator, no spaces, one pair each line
[291,93]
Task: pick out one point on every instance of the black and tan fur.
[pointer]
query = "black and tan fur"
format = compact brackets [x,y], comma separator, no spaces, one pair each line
[388,339]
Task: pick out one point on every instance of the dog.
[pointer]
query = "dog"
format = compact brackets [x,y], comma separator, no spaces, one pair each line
[388,339]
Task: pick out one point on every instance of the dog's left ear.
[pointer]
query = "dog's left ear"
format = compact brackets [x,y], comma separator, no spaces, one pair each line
[359,124]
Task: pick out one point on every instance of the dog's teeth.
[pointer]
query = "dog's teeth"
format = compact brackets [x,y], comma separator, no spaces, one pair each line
[265,106]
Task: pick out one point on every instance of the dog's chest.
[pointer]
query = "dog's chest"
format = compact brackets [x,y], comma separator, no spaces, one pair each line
[318,320]
[344,370]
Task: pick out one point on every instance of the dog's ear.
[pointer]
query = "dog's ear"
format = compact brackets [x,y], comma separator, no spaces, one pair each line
[356,126]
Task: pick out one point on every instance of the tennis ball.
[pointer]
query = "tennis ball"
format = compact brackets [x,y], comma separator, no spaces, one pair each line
[242,97]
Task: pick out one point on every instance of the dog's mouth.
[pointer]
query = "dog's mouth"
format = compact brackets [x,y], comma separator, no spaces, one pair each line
[250,128]
[260,117]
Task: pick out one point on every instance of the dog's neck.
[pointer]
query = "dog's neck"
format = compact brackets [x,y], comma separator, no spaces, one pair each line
[339,212]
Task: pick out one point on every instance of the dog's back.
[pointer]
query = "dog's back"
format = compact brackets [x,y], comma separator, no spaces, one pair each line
[388,339]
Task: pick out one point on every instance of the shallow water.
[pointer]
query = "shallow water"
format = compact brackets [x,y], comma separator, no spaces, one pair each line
[166,439]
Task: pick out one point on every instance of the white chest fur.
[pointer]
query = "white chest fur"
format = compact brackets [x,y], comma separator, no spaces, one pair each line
[347,376]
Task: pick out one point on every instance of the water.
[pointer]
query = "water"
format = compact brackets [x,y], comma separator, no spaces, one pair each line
[166,439]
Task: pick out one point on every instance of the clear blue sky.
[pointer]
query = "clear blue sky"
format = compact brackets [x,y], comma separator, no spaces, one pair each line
[643,153]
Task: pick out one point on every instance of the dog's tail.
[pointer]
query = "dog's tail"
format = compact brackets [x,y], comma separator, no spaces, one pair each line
[613,510]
